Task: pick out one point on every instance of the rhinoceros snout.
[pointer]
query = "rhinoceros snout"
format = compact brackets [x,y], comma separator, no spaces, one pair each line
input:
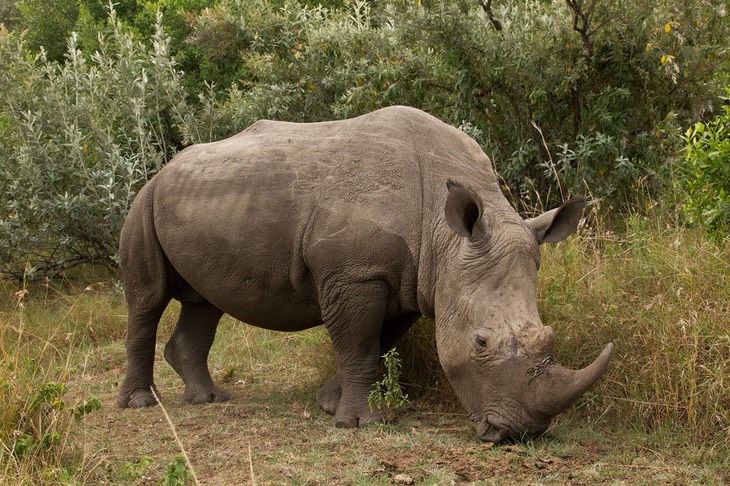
[487,432]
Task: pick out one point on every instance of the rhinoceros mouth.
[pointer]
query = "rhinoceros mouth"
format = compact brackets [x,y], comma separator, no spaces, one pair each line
[490,433]
[493,430]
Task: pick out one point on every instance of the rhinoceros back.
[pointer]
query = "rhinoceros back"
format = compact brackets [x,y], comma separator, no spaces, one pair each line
[259,222]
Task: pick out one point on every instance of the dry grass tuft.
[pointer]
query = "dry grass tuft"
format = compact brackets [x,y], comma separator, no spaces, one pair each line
[37,413]
[663,297]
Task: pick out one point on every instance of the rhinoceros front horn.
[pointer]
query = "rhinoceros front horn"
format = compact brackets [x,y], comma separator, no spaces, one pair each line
[562,386]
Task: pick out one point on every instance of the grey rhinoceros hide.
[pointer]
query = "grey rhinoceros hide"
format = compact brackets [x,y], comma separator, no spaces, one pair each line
[360,225]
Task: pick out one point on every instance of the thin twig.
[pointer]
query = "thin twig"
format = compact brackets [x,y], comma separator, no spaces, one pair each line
[550,158]
[250,465]
[177,439]
[487,7]
[585,18]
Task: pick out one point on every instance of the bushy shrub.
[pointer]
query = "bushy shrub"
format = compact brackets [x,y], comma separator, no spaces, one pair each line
[570,97]
[567,97]
[708,173]
[47,24]
[79,140]
[310,63]
[140,17]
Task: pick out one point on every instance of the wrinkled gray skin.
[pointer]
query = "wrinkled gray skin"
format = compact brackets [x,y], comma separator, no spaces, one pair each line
[360,225]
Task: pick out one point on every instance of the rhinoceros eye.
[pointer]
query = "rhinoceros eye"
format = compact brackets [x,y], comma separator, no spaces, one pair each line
[481,342]
[481,352]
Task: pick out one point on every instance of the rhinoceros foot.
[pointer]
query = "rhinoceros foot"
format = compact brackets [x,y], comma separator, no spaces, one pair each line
[329,395]
[139,398]
[362,416]
[348,415]
[197,396]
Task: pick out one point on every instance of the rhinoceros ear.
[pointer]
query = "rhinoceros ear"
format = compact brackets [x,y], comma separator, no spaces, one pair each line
[463,209]
[559,223]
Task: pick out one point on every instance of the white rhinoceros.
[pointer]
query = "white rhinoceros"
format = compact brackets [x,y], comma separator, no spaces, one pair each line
[360,225]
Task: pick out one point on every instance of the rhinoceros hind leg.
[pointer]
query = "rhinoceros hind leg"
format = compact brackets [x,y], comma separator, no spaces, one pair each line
[188,348]
[135,390]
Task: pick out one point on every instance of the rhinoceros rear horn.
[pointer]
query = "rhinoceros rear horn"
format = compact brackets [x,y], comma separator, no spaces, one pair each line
[562,386]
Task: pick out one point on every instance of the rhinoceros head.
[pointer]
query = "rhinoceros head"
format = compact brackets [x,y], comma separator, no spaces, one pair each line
[492,345]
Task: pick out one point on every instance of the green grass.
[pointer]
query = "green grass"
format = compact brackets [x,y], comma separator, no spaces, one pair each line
[46,338]
[661,411]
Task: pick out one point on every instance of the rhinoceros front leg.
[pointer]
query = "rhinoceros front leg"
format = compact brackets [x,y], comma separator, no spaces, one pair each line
[393,329]
[354,318]
[188,348]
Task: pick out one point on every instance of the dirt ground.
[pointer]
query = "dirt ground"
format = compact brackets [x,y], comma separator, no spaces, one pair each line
[281,436]
[273,432]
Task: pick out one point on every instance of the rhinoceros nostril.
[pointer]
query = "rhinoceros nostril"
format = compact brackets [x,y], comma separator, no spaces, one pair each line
[489,433]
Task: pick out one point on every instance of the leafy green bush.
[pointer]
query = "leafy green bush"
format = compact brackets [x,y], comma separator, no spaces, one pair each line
[48,24]
[569,96]
[708,179]
[79,139]
[566,97]
[304,63]
[140,18]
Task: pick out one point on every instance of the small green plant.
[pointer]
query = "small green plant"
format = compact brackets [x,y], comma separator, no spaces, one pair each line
[176,473]
[27,444]
[90,405]
[36,425]
[708,179]
[387,393]
[135,469]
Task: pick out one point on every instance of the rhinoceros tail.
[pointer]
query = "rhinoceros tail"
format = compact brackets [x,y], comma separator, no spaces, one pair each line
[143,262]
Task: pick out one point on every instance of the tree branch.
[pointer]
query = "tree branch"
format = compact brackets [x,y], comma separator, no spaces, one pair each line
[582,22]
[487,7]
